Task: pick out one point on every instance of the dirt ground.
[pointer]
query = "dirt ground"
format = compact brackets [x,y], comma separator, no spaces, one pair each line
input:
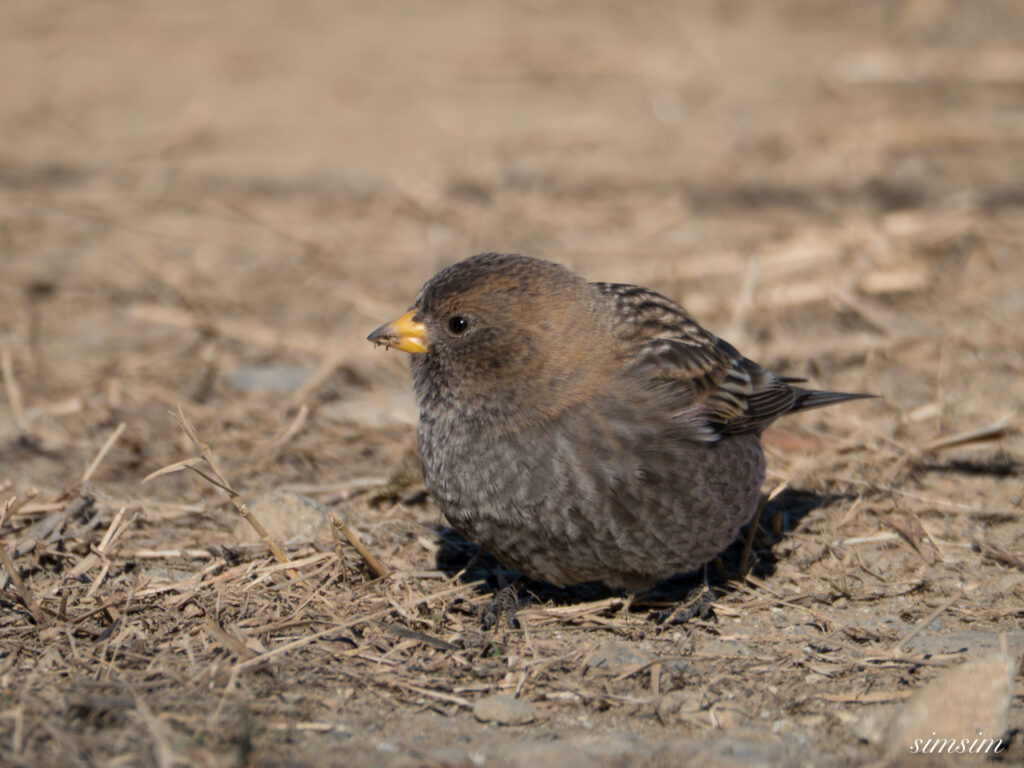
[212,204]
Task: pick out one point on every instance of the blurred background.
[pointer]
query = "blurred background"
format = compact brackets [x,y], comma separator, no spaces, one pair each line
[212,204]
[189,189]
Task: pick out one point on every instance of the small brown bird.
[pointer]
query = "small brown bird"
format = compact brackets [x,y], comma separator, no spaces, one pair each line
[585,431]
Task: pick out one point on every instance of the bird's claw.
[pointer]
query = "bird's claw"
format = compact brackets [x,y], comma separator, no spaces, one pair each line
[506,600]
[700,607]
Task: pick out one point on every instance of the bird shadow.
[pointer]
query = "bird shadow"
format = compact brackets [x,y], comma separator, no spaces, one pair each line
[457,556]
[999,466]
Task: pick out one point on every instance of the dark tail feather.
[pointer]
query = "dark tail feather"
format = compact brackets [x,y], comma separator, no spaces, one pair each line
[818,398]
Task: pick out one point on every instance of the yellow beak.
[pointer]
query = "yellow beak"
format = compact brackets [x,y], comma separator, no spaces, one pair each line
[406,333]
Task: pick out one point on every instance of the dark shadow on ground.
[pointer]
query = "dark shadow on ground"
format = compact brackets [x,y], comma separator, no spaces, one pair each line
[999,466]
[782,514]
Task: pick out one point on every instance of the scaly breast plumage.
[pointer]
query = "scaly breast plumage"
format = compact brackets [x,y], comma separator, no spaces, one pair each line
[584,498]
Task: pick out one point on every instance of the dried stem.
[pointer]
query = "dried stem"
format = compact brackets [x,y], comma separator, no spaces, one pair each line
[353,538]
[218,479]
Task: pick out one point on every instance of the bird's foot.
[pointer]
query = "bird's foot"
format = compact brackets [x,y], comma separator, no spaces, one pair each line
[699,607]
[506,600]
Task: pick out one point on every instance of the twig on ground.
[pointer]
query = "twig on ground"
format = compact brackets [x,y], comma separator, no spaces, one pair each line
[218,479]
[997,553]
[13,390]
[923,623]
[22,591]
[104,449]
[374,564]
[985,434]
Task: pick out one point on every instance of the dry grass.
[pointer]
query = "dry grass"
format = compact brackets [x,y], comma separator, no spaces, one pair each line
[167,246]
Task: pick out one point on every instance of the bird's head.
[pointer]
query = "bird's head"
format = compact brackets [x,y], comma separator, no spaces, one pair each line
[503,330]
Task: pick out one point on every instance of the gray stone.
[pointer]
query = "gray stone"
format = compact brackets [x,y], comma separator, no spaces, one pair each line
[498,708]
[967,702]
[614,658]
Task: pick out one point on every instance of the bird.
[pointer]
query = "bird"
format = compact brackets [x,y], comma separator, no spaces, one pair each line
[585,431]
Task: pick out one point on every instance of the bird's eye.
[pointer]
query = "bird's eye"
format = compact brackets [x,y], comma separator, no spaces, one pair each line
[457,324]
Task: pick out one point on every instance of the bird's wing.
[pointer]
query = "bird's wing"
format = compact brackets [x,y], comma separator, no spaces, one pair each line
[713,390]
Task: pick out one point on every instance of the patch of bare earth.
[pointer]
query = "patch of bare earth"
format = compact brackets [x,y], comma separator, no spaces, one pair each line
[211,205]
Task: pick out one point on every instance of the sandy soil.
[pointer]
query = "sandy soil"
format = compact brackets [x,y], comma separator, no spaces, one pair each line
[211,204]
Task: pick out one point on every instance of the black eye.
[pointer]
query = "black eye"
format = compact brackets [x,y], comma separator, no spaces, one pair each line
[457,324]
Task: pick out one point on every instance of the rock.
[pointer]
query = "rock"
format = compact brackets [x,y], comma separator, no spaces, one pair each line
[498,708]
[963,709]
[613,658]
[287,516]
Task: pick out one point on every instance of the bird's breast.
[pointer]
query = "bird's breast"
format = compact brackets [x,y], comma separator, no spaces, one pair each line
[593,494]
[469,465]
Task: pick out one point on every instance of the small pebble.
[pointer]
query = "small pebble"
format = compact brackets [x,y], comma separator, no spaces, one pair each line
[960,705]
[613,657]
[498,708]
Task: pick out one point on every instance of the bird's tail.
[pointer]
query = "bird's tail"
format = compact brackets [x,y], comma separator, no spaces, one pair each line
[818,398]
